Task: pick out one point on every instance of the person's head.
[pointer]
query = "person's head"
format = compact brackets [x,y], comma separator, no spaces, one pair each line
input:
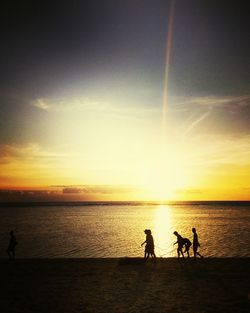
[193,230]
[175,233]
[147,231]
[11,232]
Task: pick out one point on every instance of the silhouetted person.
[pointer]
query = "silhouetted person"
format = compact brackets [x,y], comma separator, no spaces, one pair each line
[196,244]
[187,244]
[12,245]
[180,244]
[149,248]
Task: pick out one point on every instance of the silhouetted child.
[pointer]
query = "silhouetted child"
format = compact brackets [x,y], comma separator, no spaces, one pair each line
[187,244]
[149,248]
[180,244]
[196,244]
[12,245]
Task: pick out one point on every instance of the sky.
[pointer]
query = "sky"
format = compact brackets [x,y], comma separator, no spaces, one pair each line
[82,95]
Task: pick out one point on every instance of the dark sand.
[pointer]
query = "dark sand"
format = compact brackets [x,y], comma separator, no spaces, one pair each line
[125,285]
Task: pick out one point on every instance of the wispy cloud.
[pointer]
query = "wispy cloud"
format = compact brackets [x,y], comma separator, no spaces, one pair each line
[211,115]
[211,101]
[190,191]
[176,103]
[42,104]
[28,164]
[25,152]
[64,105]
[188,115]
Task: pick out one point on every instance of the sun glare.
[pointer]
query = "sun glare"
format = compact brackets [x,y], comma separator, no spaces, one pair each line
[163,227]
[165,174]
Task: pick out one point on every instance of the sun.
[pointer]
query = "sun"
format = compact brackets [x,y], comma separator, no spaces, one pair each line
[165,176]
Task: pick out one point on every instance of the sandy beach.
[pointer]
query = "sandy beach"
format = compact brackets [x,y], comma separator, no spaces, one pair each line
[125,285]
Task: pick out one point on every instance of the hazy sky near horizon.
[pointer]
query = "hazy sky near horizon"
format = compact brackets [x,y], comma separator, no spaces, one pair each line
[81,97]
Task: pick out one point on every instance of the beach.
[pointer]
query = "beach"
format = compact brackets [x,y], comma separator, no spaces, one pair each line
[125,285]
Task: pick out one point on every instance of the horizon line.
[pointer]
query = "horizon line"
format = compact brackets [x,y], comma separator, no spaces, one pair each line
[116,202]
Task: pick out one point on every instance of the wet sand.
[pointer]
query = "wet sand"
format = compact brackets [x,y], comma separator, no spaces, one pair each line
[125,285]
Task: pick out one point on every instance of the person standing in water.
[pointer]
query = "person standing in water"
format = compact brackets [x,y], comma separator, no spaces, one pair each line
[180,244]
[12,245]
[149,248]
[196,244]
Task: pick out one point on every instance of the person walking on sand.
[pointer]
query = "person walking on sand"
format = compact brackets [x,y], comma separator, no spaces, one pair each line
[196,244]
[149,248]
[187,244]
[180,244]
[12,246]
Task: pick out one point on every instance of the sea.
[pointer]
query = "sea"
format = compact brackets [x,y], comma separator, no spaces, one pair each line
[110,230]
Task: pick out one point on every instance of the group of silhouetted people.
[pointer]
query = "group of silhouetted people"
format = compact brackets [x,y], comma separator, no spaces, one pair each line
[183,245]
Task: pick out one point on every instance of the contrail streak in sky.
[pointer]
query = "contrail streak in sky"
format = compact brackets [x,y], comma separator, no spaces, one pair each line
[167,65]
[197,121]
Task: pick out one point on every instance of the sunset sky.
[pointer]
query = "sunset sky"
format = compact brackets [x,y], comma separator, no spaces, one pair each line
[82,86]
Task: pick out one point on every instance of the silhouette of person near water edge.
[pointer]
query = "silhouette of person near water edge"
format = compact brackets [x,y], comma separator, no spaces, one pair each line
[149,248]
[12,246]
[179,243]
[196,244]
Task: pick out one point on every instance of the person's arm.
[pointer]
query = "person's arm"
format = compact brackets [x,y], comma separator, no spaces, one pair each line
[143,242]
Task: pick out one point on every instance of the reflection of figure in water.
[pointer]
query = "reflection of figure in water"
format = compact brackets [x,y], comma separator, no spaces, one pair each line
[187,244]
[180,244]
[12,245]
[196,244]
[149,248]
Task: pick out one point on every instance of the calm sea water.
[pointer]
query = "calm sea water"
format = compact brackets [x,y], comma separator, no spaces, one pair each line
[117,230]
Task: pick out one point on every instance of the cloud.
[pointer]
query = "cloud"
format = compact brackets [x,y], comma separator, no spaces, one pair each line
[118,106]
[190,191]
[31,192]
[189,115]
[68,193]
[64,105]
[217,151]
[211,101]
[212,115]
[100,189]
[42,104]
[25,152]
[28,165]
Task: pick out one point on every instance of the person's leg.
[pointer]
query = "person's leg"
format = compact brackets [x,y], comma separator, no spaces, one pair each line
[194,251]
[178,252]
[153,255]
[199,254]
[182,252]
